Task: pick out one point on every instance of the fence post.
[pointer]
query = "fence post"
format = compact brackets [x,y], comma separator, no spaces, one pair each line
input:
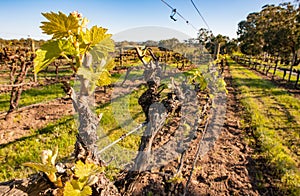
[298,75]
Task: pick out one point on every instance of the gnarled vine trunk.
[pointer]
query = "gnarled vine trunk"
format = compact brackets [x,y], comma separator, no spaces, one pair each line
[17,83]
[86,144]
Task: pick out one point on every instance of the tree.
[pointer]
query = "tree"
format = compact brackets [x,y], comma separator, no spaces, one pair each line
[250,38]
[218,42]
[169,43]
[150,43]
[230,46]
[215,44]
[292,28]
[205,38]
[274,30]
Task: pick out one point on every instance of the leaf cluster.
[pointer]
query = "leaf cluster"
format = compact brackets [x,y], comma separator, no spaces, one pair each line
[198,79]
[47,166]
[81,177]
[72,40]
[85,176]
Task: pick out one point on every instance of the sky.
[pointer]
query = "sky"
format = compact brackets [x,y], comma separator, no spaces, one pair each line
[22,18]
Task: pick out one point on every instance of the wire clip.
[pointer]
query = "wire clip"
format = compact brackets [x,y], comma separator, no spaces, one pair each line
[173,14]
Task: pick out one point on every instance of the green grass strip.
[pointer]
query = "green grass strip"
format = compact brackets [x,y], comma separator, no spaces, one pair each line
[28,149]
[274,117]
[33,96]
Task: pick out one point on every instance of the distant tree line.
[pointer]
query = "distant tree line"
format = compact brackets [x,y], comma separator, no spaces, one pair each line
[273,33]
[20,42]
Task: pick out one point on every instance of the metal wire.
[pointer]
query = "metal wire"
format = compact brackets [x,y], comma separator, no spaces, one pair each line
[181,16]
[122,137]
[200,14]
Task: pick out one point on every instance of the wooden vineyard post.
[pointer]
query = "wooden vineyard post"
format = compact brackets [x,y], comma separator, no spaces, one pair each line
[121,56]
[275,68]
[297,80]
[33,51]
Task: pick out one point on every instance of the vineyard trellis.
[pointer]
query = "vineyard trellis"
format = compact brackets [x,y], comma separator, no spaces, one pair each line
[180,101]
[19,63]
[266,67]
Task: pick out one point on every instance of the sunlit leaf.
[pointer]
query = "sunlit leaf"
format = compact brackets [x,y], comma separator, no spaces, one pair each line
[59,25]
[66,47]
[110,64]
[104,78]
[42,60]
[76,184]
[95,35]
[86,191]
[102,48]
[72,188]
[50,51]
[69,190]
[83,170]
[41,167]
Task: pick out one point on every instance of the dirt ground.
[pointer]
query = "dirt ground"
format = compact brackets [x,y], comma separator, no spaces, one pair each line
[227,169]
[27,119]
[24,121]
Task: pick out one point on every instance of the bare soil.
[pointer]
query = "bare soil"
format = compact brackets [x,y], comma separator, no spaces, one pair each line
[26,120]
[230,168]
[227,169]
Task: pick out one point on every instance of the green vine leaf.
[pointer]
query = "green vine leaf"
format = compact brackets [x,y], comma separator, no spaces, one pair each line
[93,36]
[85,170]
[102,48]
[198,78]
[46,55]
[104,79]
[66,47]
[50,51]
[41,167]
[49,170]
[73,188]
[41,61]
[110,64]
[85,177]
[59,25]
